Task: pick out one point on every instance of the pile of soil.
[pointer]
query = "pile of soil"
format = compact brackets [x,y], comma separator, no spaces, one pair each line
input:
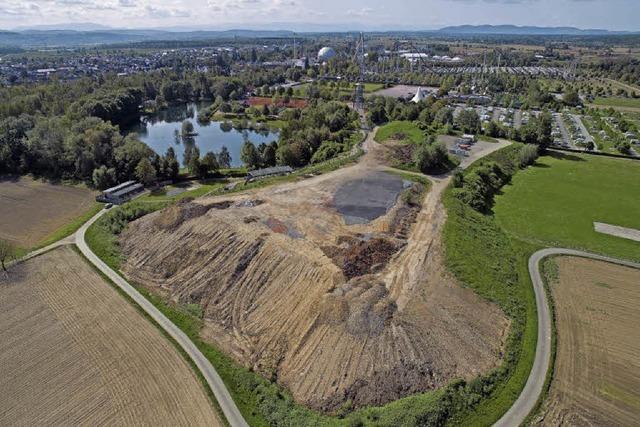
[402,153]
[362,305]
[345,311]
[368,256]
[405,215]
[361,255]
[173,216]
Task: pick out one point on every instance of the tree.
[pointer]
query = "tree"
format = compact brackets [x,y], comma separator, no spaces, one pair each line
[145,172]
[187,128]
[444,116]
[269,155]
[528,155]
[469,121]
[249,155]
[571,98]
[194,161]
[104,177]
[170,165]
[377,114]
[7,252]
[493,130]
[224,158]
[432,158]
[209,163]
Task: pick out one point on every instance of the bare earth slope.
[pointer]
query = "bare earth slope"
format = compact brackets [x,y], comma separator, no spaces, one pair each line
[597,370]
[364,312]
[74,352]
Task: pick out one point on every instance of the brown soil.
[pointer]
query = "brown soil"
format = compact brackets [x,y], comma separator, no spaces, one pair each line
[32,210]
[365,312]
[400,153]
[597,370]
[74,352]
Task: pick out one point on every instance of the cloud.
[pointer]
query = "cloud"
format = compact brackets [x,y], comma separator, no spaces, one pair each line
[163,13]
[360,13]
[11,8]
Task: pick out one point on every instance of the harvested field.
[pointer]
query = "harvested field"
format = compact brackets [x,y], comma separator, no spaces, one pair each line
[75,352]
[334,310]
[597,370]
[31,210]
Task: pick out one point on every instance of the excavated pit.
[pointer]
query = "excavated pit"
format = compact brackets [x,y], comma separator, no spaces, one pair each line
[332,308]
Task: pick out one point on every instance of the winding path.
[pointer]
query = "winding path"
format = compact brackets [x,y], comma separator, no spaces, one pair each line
[532,390]
[222,395]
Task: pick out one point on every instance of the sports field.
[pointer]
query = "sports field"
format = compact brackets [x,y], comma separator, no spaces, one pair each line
[598,354]
[75,352]
[556,202]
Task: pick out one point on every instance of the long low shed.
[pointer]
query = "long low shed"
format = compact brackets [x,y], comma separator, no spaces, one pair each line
[120,193]
[273,171]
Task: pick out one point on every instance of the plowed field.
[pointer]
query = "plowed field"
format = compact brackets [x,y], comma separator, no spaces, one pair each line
[597,370]
[32,210]
[75,352]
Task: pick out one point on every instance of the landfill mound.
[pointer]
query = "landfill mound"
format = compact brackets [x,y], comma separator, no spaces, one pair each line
[361,312]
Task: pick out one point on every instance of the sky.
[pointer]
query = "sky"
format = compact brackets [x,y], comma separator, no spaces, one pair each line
[313,15]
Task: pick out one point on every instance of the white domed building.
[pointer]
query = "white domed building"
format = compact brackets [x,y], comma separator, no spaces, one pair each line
[325,54]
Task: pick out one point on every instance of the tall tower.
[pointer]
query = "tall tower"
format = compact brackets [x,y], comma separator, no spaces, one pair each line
[358,98]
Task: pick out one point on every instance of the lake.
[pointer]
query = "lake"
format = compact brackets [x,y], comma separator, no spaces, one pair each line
[159,133]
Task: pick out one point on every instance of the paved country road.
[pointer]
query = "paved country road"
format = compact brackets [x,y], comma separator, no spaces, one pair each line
[532,391]
[229,408]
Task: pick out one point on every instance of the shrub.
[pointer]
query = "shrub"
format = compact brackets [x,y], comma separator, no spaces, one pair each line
[433,158]
[528,155]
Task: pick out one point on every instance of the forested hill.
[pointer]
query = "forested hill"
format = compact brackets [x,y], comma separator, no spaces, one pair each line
[527,30]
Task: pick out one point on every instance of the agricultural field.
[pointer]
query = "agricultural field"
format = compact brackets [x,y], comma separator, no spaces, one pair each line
[34,212]
[76,352]
[618,102]
[596,378]
[556,202]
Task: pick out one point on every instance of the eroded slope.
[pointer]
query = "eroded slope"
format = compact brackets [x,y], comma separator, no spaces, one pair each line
[335,312]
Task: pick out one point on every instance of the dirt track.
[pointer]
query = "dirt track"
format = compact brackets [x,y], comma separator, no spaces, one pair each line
[266,266]
[31,210]
[597,367]
[73,351]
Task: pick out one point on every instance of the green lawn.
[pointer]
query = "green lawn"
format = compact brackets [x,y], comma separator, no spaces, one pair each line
[618,102]
[556,202]
[404,131]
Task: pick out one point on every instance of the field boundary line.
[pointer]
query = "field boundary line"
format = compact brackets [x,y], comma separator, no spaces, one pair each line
[222,395]
[534,388]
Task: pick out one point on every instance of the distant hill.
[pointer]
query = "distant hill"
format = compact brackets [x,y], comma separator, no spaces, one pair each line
[76,26]
[63,38]
[89,34]
[526,30]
